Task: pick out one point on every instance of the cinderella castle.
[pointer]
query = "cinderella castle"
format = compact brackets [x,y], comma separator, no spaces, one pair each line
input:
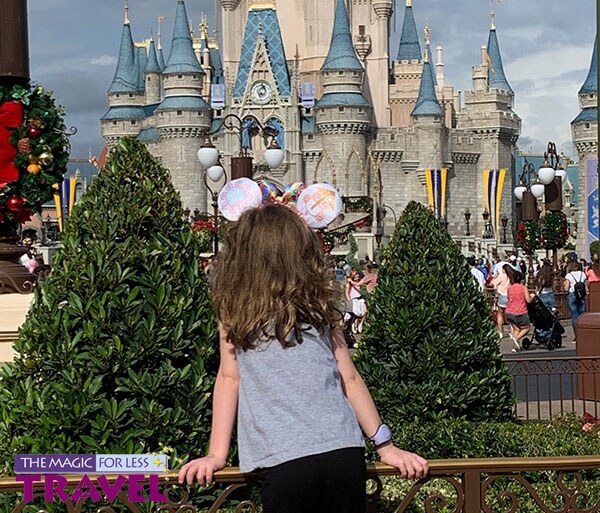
[347,109]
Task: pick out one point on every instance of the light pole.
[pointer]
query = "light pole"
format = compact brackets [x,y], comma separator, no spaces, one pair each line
[504,221]
[241,166]
[488,230]
[467,215]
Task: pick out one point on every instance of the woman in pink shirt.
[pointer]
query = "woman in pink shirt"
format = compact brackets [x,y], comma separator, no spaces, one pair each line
[593,271]
[516,306]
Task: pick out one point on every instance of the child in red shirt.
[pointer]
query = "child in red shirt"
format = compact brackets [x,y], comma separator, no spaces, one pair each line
[516,307]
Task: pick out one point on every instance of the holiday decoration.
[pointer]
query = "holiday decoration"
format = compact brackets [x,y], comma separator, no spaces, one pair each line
[34,150]
[528,236]
[555,230]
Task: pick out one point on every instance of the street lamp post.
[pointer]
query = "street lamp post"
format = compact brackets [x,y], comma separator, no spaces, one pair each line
[504,221]
[241,166]
[468,221]
[488,230]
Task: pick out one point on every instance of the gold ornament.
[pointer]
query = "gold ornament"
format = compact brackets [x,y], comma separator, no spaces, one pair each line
[33,169]
[46,158]
[33,159]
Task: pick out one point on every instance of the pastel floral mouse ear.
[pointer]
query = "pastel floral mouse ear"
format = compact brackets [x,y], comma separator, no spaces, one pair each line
[238,196]
[319,204]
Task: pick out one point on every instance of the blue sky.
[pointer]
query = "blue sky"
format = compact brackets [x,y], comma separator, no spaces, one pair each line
[546,48]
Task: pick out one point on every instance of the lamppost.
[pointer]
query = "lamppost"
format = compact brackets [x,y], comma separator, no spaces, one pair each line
[488,230]
[467,215]
[241,166]
[504,221]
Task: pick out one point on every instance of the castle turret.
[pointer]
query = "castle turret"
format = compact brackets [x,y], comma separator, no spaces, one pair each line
[183,116]
[585,138]
[153,76]
[125,114]
[488,114]
[343,111]
[427,102]
[407,70]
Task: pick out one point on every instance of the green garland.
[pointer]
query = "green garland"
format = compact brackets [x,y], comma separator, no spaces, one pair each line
[42,146]
[529,236]
[555,230]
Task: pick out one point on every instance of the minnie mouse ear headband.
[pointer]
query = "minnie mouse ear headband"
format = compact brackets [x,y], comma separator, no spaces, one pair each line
[318,204]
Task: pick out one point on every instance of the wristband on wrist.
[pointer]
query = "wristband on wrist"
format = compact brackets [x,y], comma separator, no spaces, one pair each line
[383,435]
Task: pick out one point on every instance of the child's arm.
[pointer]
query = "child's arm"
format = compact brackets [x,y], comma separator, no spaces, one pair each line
[225,398]
[409,464]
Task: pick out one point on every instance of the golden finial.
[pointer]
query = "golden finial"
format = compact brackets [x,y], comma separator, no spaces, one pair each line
[126,12]
[204,27]
[493,14]
[408,3]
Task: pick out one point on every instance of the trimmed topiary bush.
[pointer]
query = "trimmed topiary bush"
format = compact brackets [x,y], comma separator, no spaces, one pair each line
[118,352]
[430,349]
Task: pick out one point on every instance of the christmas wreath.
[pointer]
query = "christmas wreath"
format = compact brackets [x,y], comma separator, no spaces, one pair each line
[34,150]
[555,230]
[327,240]
[528,236]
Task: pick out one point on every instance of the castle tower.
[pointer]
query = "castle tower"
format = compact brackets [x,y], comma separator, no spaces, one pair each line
[343,114]
[488,114]
[262,94]
[183,115]
[370,23]
[125,114]
[153,76]
[407,70]
[585,138]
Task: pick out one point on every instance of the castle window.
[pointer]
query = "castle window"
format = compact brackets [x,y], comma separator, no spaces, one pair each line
[180,113]
[311,137]
[148,79]
[341,73]
[115,123]
[361,110]
[117,95]
[341,109]
[219,112]
[587,126]
[592,96]
[130,95]
[179,76]
[361,30]
[392,137]
[133,122]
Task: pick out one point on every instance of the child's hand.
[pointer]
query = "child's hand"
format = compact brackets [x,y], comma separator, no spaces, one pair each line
[201,470]
[410,465]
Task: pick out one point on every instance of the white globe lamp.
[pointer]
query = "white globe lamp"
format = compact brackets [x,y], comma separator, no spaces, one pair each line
[519,190]
[215,173]
[562,174]
[274,155]
[208,155]
[537,189]
[546,174]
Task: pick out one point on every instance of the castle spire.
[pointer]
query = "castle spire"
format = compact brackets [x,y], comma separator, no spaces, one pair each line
[496,77]
[125,79]
[182,58]
[591,82]
[427,102]
[126,12]
[152,65]
[342,54]
[410,48]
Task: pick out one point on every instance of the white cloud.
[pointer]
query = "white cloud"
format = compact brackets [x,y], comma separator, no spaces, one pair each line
[104,60]
[549,63]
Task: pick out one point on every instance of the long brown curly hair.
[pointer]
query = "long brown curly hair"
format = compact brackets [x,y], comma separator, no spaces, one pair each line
[271,279]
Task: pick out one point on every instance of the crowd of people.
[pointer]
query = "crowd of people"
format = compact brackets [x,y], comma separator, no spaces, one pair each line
[512,294]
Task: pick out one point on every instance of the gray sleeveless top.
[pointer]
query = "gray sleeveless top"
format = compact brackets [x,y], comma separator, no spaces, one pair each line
[291,403]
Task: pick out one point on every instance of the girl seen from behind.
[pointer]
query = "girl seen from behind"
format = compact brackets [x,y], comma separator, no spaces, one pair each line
[287,375]
[516,307]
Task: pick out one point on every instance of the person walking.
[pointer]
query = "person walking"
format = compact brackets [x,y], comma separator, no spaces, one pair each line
[518,297]
[592,273]
[501,283]
[573,284]
[287,374]
[357,301]
[543,283]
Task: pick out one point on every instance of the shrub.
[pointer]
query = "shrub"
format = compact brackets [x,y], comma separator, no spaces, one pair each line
[430,349]
[595,249]
[117,354]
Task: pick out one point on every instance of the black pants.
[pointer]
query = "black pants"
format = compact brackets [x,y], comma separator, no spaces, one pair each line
[332,482]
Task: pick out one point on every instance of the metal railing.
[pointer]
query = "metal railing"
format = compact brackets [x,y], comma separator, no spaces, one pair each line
[547,387]
[568,484]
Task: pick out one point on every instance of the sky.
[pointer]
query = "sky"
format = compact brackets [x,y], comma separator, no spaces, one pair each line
[546,47]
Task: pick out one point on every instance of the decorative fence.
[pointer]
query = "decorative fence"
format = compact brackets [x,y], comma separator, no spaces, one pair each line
[507,485]
[547,387]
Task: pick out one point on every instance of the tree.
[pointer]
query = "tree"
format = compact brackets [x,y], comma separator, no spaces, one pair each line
[118,351]
[430,349]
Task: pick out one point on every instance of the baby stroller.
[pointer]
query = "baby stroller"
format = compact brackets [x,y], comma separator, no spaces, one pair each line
[548,330]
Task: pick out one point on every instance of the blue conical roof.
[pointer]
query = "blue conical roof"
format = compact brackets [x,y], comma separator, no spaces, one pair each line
[182,58]
[140,64]
[427,102]
[496,77]
[125,79]
[342,54]
[152,66]
[591,82]
[410,48]
[431,60]
[160,58]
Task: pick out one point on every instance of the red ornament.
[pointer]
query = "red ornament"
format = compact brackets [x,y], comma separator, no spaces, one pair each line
[33,131]
[14,204]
